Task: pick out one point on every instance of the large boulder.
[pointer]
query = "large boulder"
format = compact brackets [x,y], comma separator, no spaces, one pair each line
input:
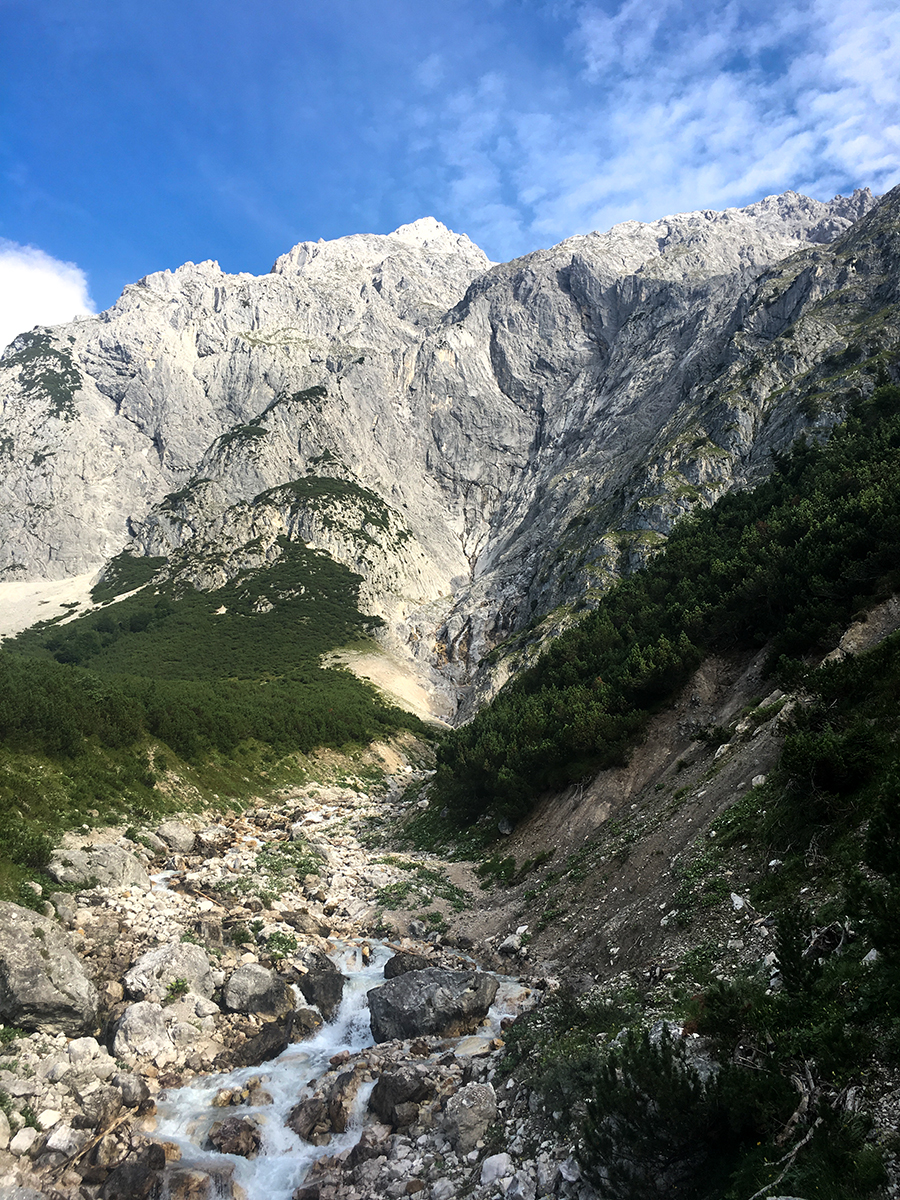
[178,837]
[105,866]
[433,1001]
[157,970]
[319,980]
[468,1114]
[42,984]
[142,1034]
[254,989]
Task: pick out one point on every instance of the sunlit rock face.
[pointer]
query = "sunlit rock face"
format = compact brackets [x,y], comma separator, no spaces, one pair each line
[485,444]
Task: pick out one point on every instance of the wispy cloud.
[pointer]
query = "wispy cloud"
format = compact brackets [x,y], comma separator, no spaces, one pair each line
[36,289]
[670,106]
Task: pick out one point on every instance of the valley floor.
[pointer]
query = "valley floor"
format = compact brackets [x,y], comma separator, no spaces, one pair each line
[78,1115]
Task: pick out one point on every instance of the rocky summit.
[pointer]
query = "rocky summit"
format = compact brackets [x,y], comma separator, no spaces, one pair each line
[485,444]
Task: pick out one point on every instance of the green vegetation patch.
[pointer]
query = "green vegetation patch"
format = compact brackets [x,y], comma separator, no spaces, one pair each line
[47,371]
[341,504]
[227,683]
[125,573]
[270,624]
[242,435]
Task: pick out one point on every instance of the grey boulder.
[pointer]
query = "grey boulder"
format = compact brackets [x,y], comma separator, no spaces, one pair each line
[214,840]
[468,1114]
[433,1001]
[106,866]
[236,1135]
[178,837]
[403,962]
[319,980]
[157,970]
[42,984]
[397,1095]
[254,989]
[141,1034]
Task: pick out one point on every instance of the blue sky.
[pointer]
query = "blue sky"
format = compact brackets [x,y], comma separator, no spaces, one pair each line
[135,136]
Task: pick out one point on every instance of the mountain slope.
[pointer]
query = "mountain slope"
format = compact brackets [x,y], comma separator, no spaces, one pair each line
[482,444]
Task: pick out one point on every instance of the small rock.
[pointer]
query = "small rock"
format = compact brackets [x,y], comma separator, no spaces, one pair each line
[498,1166]
[23,1141]
[510,945]
[402,962]
[235,1135]
[522,1187]
[569,1170]
[66,1140]
[134,1090]
[82,1051]
[141,1033]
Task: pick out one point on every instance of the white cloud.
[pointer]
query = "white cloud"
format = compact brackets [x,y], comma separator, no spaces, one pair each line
[671,106]
[36,289]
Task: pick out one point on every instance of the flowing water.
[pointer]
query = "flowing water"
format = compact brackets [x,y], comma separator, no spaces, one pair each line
[186,1115]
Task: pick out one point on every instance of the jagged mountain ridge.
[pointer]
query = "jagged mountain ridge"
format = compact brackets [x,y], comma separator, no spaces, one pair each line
[483,443]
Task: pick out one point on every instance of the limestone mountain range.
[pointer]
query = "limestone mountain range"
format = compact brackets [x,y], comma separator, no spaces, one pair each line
[487,445]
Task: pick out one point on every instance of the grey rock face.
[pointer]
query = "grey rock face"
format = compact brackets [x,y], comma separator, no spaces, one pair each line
[42,983]
[515,435]
[109,866]
[433,1001]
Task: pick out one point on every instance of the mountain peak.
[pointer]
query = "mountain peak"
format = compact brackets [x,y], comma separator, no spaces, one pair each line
[428,232]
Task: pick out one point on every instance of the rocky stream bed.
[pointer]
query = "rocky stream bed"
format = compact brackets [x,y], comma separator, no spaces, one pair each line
[219,1008]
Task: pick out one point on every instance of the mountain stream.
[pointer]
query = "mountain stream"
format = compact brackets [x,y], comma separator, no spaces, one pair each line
[187,1114]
